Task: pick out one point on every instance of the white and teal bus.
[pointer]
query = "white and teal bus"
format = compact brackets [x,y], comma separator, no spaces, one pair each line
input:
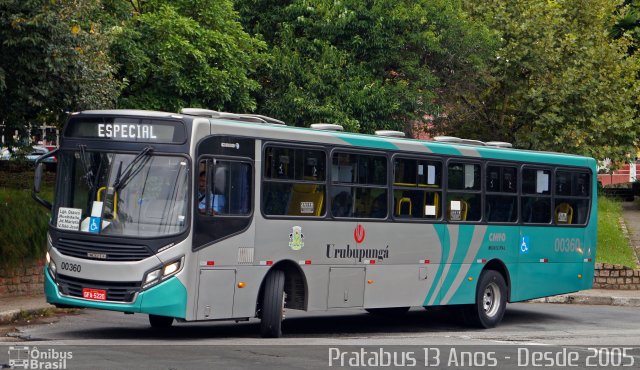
[205,215]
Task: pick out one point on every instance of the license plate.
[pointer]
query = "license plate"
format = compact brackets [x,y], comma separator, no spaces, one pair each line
[95,294]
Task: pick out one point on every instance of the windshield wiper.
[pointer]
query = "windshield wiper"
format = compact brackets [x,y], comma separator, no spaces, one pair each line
[132,169]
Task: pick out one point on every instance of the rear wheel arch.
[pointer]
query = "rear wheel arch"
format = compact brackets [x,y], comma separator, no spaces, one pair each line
[500,267]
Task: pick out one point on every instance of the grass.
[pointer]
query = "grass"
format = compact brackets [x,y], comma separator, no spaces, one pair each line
[613,247]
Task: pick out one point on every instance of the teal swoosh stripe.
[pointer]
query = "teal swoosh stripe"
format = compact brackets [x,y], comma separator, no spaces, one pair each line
[371,142]
[464,242]
[442,236]
[443,149]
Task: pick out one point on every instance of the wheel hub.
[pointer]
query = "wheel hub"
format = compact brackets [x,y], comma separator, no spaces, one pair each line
[491,299]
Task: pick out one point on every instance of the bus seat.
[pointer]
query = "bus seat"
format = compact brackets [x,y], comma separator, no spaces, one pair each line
[399,208]
[436,203]
[464,209]
[305,193]
[564,213]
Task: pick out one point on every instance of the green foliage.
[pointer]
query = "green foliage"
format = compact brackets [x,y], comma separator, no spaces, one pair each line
[612,246]
[364,64]
[24,226]
[52,60]
[186,54]
[628,24]
[558,81]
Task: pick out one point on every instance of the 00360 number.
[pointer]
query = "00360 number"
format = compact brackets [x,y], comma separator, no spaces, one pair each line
[567,244]
[70,267]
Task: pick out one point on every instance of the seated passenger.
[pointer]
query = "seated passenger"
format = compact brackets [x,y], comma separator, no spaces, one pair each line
[217,200]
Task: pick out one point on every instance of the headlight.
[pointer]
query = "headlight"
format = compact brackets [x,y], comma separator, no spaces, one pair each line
[159,274]
[48,257]
[152,276]
[52,269]
[171,269]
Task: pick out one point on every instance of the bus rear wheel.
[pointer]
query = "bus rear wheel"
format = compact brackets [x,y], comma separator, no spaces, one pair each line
[272,305]
[491,301]
[160,322]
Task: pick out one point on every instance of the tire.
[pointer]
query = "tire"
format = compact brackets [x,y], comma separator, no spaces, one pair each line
[491,301]
[272,305]
[160,322]
[388,311]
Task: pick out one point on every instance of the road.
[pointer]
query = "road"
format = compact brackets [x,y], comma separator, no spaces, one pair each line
[108,336]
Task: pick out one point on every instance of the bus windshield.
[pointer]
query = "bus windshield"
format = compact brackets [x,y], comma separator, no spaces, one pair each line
[129,195]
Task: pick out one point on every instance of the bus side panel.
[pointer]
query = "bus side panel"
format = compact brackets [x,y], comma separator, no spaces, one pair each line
[551,261]
[397,285]
[546,279]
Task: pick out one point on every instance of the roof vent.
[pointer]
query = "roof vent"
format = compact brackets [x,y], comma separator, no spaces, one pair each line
[326,127]
[499,144]
[447,139]
[255,118]
[390,133]
[472,142]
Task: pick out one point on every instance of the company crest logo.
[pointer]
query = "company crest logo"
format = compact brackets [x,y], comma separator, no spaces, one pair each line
[296,238]
[359,233]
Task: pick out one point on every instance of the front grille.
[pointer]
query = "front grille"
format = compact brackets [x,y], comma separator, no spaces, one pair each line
[117,291]
[101,251]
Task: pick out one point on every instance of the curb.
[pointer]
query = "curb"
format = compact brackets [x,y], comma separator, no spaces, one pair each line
[6,317]
[590,300]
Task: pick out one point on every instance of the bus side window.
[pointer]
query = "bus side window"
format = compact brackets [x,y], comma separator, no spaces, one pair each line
[228,189]
[536,196]
[359,185]
[294,182]
[501,201]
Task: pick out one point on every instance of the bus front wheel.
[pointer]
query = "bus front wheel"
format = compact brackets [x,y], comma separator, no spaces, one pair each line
[491,301]
[272,305]
[160,322]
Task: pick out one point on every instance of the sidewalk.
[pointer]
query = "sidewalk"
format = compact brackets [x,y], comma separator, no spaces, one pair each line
[631,215]
[628,298]
[10,307]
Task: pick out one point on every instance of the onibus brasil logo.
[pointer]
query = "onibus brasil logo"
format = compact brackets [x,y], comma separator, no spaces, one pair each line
[24,357]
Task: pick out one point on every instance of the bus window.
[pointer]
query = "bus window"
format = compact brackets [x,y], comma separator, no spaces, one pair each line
[359,188]
[294,182]
[464,199]
[417,192]
[501,199]
[536,200]
[571,198]
[229,189]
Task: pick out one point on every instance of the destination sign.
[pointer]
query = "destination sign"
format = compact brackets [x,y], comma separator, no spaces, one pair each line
[127,129]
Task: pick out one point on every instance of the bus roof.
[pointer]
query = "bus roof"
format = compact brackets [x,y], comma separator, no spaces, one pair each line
[311,135]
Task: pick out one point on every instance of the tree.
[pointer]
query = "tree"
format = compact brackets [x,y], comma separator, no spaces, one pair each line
[52,61]
[557,82]
[364,64]
[186,54]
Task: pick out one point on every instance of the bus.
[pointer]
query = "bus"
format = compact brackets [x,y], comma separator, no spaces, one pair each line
[204,215]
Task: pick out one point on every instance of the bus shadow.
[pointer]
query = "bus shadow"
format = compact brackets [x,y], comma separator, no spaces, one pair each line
[356,322]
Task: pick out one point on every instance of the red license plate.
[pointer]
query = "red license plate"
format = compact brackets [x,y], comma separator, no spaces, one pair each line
[96,294]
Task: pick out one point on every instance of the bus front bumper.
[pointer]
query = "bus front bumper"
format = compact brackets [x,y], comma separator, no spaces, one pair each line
[168,298]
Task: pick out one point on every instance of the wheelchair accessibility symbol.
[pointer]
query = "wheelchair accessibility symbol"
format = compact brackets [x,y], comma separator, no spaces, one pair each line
[94,224]
[524,244]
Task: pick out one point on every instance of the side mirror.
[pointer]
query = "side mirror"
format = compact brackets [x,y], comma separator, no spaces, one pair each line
[37,180]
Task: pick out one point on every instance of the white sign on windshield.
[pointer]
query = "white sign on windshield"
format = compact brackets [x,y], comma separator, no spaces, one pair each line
[69,218]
